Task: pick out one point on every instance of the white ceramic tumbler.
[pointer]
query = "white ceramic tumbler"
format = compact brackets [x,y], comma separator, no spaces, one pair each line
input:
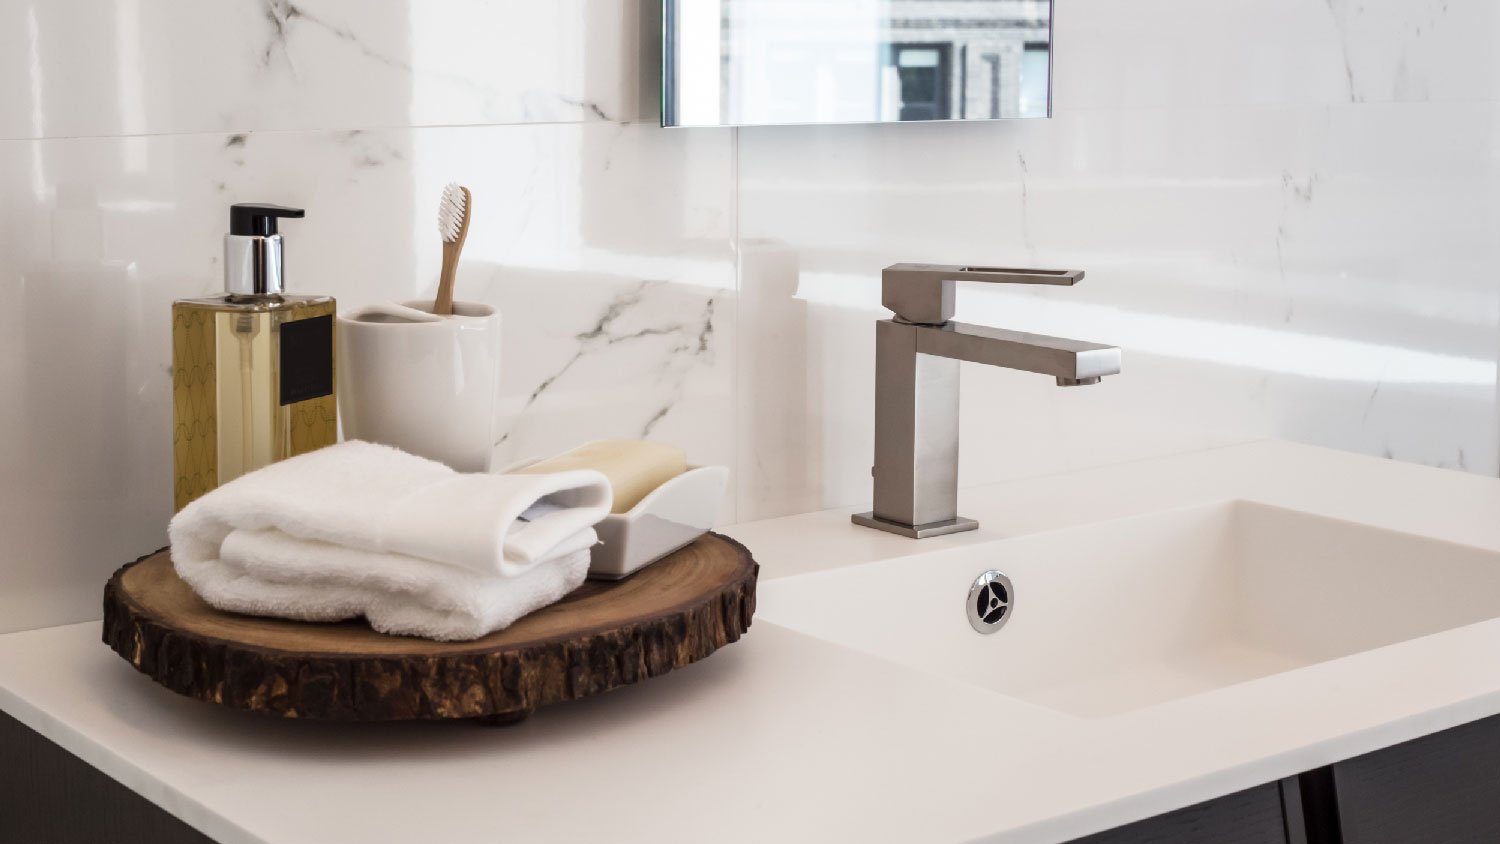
[423,383]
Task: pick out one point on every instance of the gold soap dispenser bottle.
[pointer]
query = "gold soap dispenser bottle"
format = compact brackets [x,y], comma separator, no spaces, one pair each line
[252,370]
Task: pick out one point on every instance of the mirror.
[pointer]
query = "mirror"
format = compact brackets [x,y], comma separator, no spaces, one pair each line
[772,62]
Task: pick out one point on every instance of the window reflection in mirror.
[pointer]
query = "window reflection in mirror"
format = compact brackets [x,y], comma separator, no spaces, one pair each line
[760,62]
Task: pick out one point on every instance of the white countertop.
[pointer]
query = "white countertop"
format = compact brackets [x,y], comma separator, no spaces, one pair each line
[782,737]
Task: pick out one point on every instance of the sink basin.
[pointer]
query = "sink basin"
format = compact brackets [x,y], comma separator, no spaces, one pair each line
[1115,616]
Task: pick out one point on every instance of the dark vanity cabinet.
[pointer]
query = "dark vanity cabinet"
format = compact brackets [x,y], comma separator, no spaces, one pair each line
[1253,816]
[1439,789]
[50,796]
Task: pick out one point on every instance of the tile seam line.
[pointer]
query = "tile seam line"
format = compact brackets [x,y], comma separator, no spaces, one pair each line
[1478,101]
[194,133]
[737,375]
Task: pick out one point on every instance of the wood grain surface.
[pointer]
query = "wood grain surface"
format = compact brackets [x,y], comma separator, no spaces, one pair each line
[602,636]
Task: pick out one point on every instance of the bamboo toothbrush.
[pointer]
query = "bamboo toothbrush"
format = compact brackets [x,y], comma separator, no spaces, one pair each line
[454,211]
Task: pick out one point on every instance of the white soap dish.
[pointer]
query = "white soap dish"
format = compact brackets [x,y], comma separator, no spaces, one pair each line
[669,517]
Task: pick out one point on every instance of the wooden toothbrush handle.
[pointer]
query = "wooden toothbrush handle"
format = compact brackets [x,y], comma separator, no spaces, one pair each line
[443,304]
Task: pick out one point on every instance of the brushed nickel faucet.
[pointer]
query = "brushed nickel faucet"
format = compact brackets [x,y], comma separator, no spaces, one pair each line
[916,387]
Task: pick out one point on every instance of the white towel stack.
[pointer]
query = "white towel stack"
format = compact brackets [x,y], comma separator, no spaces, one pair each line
[416,548]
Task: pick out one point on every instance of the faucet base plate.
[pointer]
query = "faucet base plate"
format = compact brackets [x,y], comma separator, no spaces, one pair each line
[954,525]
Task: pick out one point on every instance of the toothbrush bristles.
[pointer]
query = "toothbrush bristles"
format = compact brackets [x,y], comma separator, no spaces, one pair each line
[451,212]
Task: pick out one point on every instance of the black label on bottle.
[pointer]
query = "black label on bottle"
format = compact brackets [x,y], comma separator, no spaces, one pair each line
[306,359]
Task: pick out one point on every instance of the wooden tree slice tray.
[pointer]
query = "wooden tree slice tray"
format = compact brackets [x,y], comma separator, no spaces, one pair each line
[602,636]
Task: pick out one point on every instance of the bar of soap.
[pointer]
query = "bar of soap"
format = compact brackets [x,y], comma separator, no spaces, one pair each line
[634,467]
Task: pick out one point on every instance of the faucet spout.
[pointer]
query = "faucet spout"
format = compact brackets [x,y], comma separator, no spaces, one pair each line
[1071,362]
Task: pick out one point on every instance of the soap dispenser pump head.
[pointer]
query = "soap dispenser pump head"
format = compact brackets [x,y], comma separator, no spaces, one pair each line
[258,219]
[252,250]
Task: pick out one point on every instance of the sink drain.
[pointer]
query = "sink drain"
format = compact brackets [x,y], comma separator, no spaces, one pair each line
[991,599]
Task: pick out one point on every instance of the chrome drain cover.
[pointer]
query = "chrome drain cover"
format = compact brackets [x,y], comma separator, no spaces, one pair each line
[992,598]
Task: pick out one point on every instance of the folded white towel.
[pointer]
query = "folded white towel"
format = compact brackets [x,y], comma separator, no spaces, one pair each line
[266,572]
[363,529]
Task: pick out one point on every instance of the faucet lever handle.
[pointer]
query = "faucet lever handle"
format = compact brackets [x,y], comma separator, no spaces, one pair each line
[924,293]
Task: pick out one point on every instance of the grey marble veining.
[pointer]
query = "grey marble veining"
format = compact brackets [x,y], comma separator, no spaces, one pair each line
[689,343]
[171,66]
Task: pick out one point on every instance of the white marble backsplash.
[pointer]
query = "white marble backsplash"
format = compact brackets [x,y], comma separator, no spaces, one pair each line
[1268,272]
[79,68]
[1240,53]
[1285,209]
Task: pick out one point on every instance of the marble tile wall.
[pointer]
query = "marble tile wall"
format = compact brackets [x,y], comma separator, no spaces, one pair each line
[1286,210]
[1284,207]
